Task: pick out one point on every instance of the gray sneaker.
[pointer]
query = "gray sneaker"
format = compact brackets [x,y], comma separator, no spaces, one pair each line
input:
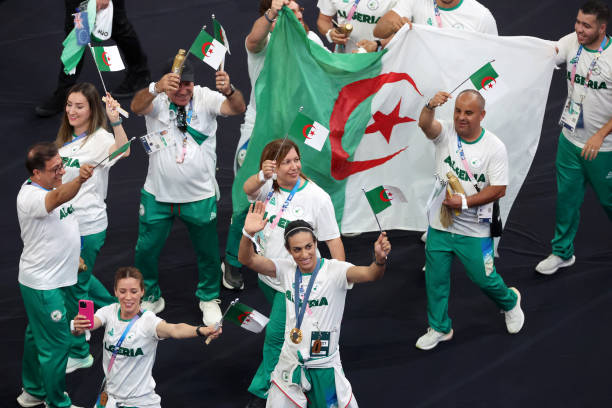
[25,399]
[78,363]
[515,318]
[551,264]
[431,339]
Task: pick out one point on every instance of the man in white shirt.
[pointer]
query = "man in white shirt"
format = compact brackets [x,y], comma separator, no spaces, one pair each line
[181,178]
[584,154]
[467,15]
[479,161]
[49,262]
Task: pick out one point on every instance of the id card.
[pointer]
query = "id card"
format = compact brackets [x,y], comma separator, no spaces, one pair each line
[571,118]
[319,344]
[155,141]
[485,213]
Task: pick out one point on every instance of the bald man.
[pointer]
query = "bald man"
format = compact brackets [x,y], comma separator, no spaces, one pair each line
[479,160]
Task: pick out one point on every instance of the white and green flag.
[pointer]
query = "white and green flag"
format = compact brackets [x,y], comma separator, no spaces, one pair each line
[108,58]
[371,104]
[207,49]
[309,132]
[246,317]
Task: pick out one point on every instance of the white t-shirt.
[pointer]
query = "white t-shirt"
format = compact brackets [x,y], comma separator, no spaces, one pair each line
[597,104]
[366,16]
[51,241]
[255,63]
[326,304]
[130,382]
[89,204]
[468,15]
[488,161]
[194,179]
[310,203]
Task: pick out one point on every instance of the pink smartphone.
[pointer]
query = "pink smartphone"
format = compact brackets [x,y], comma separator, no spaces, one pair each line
[86,308]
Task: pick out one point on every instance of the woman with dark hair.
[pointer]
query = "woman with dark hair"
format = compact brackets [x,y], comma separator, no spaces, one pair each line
[287,195]
[309,370]
[83,138]
[130,342]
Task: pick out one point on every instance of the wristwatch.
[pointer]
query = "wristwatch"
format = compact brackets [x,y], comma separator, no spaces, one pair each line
[152,90]
[233,89]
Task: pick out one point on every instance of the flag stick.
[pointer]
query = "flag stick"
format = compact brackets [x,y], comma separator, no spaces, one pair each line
[220,323]
[104,159]
[122,111]
[467,79]
[98,69]
[375,217]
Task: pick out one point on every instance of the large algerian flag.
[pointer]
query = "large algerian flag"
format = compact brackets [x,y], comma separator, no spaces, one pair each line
[246,317]
[382,197]
[219,34]
[108,58]
[371,103]
[208,49]
[309,132]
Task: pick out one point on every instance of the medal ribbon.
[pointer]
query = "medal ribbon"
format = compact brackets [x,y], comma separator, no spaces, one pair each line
[591,67]
[437,13]
[285,204]
[120,341]
[301,308]
[465,163]
[349,16]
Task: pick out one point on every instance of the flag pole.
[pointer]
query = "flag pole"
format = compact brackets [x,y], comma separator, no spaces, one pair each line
[375,217]
[99,73]
[104,159]
[467,79]
[220,323]
[222,66]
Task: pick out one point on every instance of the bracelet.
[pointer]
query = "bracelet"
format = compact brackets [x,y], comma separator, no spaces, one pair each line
[233,89]
[428,106]
[270,20]
[198,331]
[117,123]
[328,35]
[261,177]
[383,263]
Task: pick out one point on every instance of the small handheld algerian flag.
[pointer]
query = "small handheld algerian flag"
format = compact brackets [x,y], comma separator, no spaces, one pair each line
[108,58]
[246,317]
[485,77]
[208,49]
[311,132]
[383,197]
[219,34]
[117,152]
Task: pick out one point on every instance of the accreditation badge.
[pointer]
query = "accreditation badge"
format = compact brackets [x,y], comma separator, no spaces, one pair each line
[485,213]
[155,141]
[319,344]
[571,118]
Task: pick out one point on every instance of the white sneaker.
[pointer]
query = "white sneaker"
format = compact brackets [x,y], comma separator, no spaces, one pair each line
[71,405]
[211,312]
[552,263]
[78,363]
[515,318]
[431,339]
[155,307]
[424,237]
[25,399]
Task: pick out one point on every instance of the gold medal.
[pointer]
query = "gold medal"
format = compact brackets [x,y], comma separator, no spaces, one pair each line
[295,335]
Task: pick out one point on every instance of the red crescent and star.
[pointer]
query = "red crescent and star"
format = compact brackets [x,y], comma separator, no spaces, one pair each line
[243,316]
[384,123]
[308,131]
[349,98]
[105,59]
[492,81]
[208,51]
[382,195]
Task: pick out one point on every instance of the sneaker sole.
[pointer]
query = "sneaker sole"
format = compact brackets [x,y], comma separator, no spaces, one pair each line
[229,286]
[446,337]
[25,404]
[564,264]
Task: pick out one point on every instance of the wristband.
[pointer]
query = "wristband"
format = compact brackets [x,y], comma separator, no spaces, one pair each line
[246,234]
[328,35]
[233,89]
[428,106]
[117,123]
[379,44]
[198,331]
[383,263]
[464,205]
[270,20]
[152,89]
[72,326]
[261,176]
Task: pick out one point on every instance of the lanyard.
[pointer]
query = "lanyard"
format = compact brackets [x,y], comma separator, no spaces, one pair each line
[79,137]
[285,204]
[120,341]
[349,16]
[465,164]
[38,185]
[591,67]
[300,307]
[437,13]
